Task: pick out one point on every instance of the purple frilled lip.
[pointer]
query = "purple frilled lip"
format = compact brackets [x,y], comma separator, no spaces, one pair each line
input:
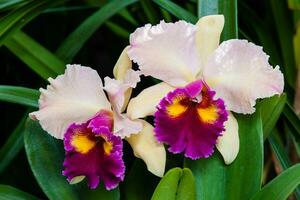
[93,152]
[189,120]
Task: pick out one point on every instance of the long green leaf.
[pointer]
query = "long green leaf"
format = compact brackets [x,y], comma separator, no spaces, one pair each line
[207,7]
[284,29]
[10,193]
[278,149]
[38,58]
[282,186]
[13,145]
[177,184]
[9,4]
[19,95]
[128,16]
[270,110]
[242,178]
[149,11]
[262,30]
[45,155]
[18,18]
[229,10]
[176,10]
[281,154]
[117,29]
[292,117]
[74,42]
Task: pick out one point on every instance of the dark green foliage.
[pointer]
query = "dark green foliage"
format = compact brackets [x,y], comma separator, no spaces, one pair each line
[37,39]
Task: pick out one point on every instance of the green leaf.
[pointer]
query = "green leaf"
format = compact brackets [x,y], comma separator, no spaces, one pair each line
[9,4]
[186,188]
[128,16]
[134,186]
[292,117]
[270,110]
[38,58]
[281,154]
[149,11]
[284,29]
[229,10]
[282,186]
[242,178]
[74,42]
[278,149]
[19,95]
[167,187]
[207,7]
[176,10]
[45,155]
[19,17]
[13,145]
[262,30]
[117,29]
[294,4]
[176,184]
[10,193]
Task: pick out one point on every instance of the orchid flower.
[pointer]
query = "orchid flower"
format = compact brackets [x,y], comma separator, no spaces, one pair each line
[74,108]
[202,83]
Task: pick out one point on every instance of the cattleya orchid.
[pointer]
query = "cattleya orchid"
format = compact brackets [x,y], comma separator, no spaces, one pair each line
[202,83]
[75,108]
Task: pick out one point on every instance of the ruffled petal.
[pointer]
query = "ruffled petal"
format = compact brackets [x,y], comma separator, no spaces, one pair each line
[146,147]
[94,152]
[239,72]
[166,51]
[116,88]
[229,143]
[190,120]
[145,103]
[209,29]
[123,126]
[73,97]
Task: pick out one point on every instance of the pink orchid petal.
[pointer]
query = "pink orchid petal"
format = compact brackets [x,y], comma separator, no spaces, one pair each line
[240,73]
[116,89]
[73,97]
[166,51]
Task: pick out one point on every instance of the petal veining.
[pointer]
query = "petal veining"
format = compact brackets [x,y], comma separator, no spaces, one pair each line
[166,51]
[190,123]
[94,152]
[73,97]
[240,73]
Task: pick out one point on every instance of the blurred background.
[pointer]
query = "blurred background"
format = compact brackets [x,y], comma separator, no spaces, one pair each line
[38,38]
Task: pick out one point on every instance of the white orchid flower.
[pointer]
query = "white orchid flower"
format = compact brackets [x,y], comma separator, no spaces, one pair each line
[202,82]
